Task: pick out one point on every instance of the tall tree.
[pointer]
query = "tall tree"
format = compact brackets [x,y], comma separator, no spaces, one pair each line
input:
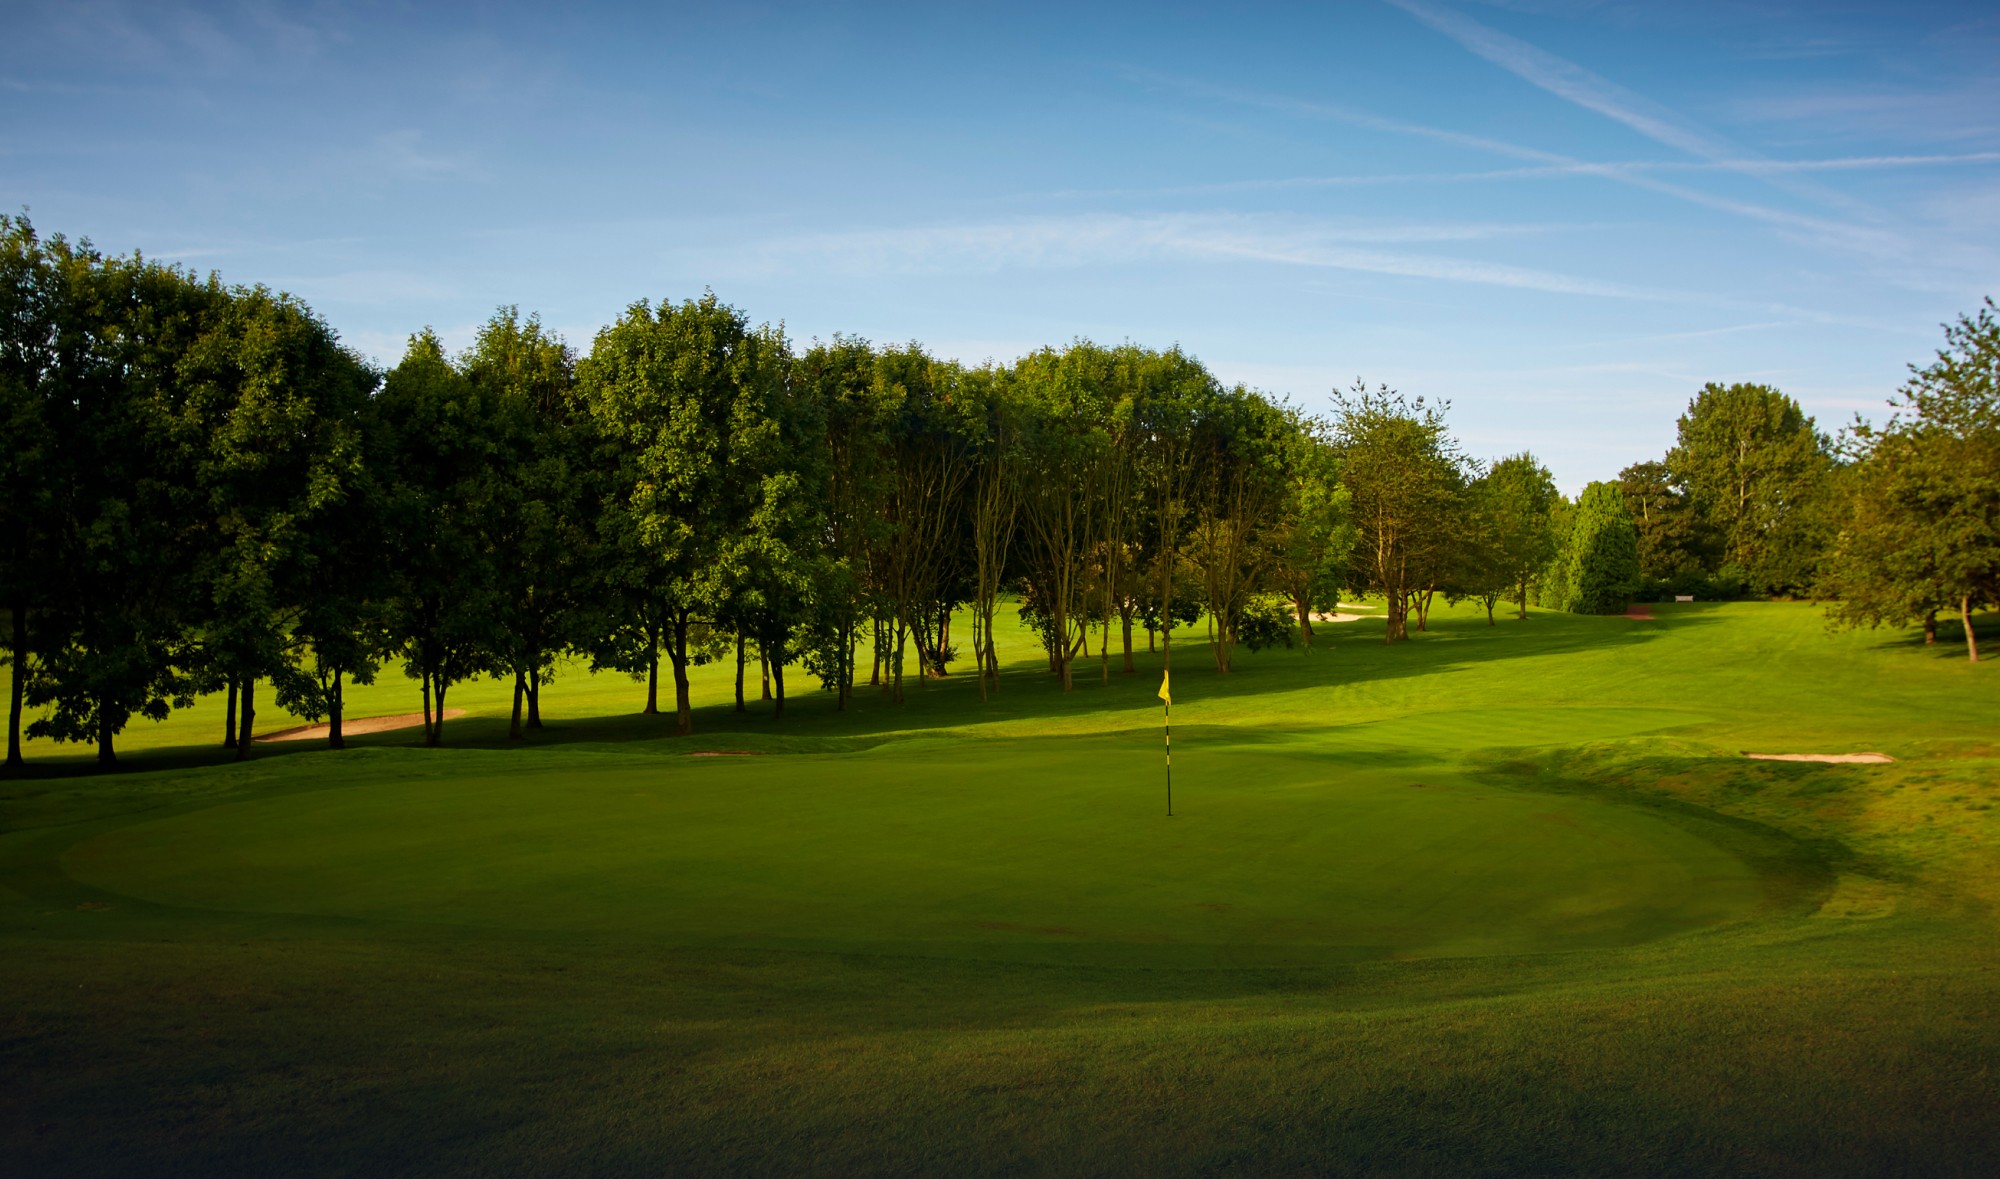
[923,555]
[263,413]
[1064,443]
[839,377]
[1756,470]
[1176,395]
[1244,465]
[995,498]
[529,377]
[437,438]
[1404,471]
[1313,537]
[663,387]
[774,564]
[1922,511]
[117,585]
[33,306]
[1521,498]
[1669,538]
[1599,558]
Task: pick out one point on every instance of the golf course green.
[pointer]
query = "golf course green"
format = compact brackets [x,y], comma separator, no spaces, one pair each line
[1506,899]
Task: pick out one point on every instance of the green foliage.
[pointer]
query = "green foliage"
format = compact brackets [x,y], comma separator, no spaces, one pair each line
[1921,510]
[1406,476]
[1670,547]
[439,439]
[1264,622]
[680,397]
[1513,508]
[1756,476]
[1314,536]
[1597,569]
[203,491]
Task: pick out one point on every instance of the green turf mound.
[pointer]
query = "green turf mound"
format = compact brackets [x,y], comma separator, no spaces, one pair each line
[1045,850]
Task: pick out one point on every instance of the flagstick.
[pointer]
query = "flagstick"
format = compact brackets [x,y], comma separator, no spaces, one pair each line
[1169,706]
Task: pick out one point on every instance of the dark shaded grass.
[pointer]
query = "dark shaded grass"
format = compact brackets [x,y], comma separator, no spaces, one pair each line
[140,1038]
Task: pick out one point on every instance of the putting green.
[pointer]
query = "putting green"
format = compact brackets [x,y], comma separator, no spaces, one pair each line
[1041,849]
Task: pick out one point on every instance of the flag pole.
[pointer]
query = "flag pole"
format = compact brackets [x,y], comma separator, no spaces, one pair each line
[1167,703]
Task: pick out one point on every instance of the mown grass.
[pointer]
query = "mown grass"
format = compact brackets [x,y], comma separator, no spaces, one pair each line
[1503,900]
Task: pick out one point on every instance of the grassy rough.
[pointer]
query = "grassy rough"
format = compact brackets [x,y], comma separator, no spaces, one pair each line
[1500,901]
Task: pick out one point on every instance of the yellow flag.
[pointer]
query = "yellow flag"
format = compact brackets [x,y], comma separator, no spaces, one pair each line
[1164,694]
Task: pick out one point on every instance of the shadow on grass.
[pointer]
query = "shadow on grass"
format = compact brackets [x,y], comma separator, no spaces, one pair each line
[1950,642]
[1346,655]
[1798,873]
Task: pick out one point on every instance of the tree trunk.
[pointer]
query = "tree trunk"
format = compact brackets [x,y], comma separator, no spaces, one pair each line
[1965,618]
[106,754]
[1065,651]
[683,705]
[1397,610]
[247,728]
[1930,629]
[437,729]
[979,645]
[229,717]
[1523,599]
[844,680]
[520,697]
[739,671]
[778,680]
[18,678]
[1305,623]
[429,738]
[1489,611]
[335,738]
[652,626]
[764,670]
[652,672]
[1104,645]
[944,637]
[896,664]
[1125,618]
[534,697]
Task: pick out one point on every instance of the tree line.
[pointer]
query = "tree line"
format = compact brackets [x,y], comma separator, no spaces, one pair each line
[206,493]
[1893,523]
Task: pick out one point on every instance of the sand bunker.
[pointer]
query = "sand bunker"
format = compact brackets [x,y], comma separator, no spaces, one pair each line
[723,753]
[1864,759]
[354,726]
[1337,616]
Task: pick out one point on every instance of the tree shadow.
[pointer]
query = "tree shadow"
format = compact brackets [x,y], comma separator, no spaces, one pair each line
[1950,643]
[1029,700]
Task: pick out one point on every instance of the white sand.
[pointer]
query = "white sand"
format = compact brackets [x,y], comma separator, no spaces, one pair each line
[354,726]
[1866,759]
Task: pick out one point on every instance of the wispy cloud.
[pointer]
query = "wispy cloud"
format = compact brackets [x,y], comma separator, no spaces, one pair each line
[1582,168]
[1112,239]
[1948,113]
[1573,83]
[1568,80]
[1882,245]
[1681,337]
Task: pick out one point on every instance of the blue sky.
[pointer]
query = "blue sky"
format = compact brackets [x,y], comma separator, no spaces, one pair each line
[1563,216]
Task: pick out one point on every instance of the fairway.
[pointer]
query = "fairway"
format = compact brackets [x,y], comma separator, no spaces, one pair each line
[1042,850]
[1496,898]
